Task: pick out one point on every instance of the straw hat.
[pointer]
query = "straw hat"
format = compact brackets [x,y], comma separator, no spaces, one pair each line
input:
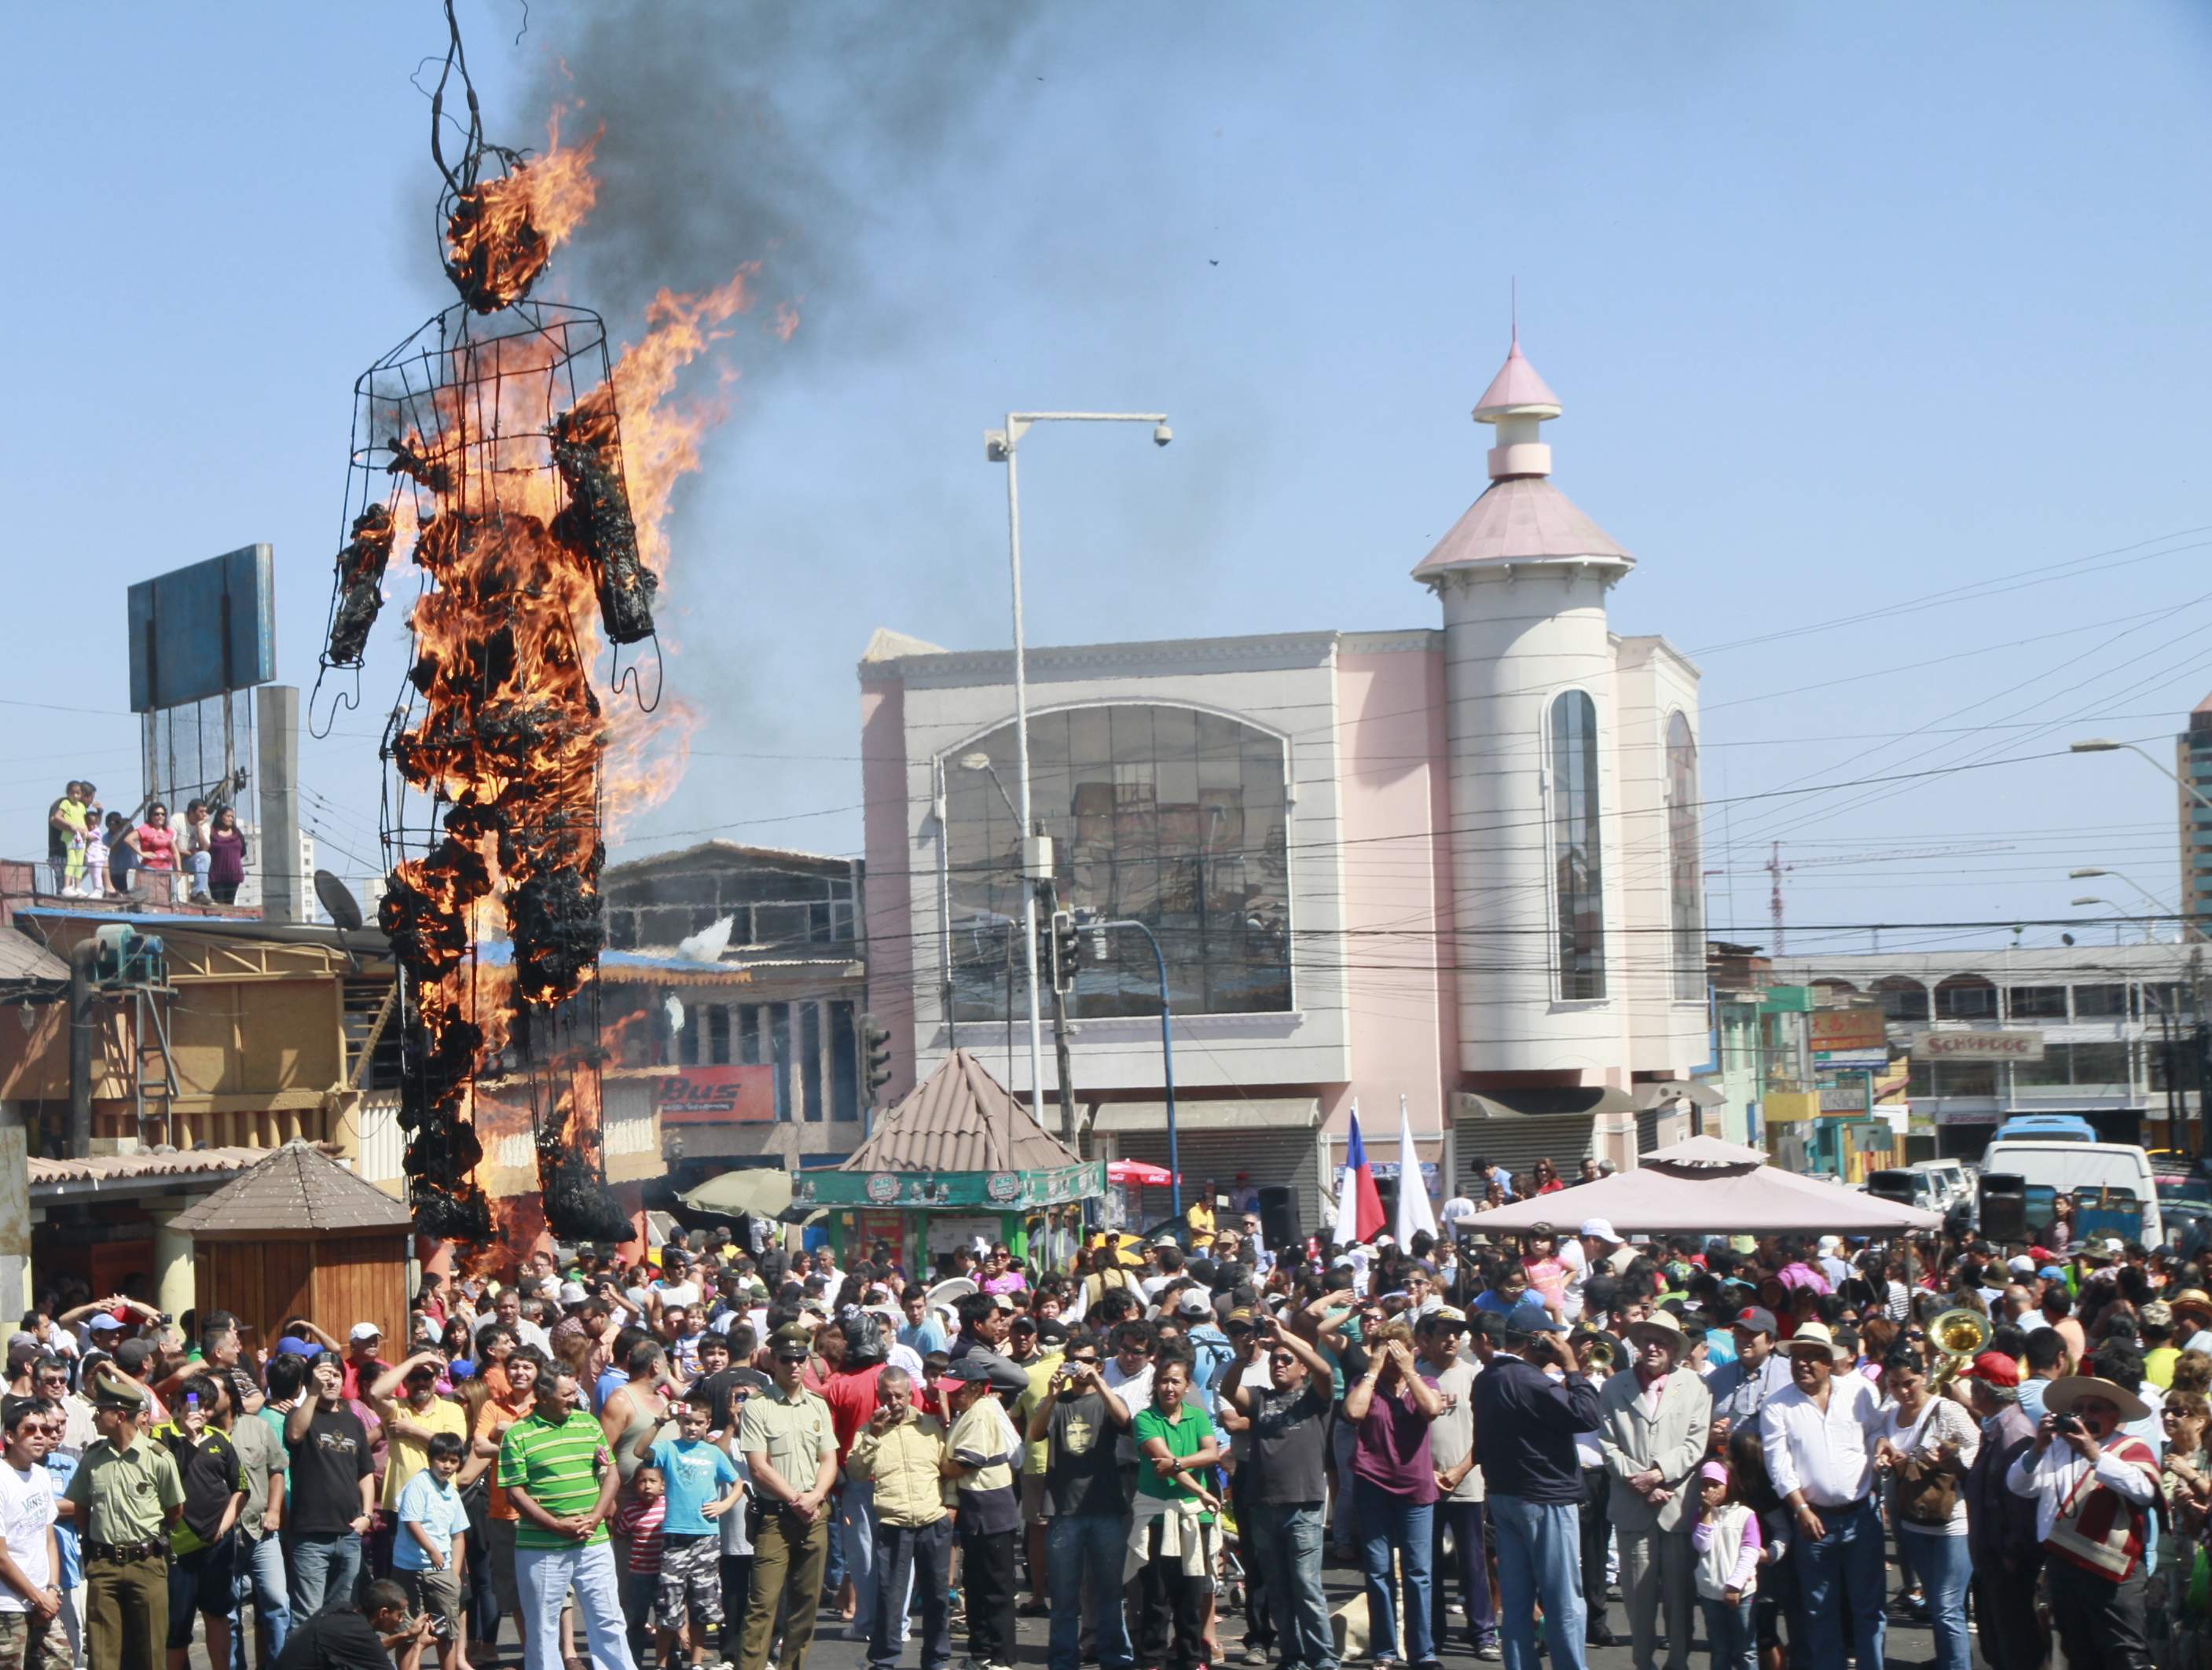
[1661,1326]
[2062,1393]
[1810,1335]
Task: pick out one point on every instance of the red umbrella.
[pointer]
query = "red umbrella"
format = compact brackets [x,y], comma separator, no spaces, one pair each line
[1140,1172]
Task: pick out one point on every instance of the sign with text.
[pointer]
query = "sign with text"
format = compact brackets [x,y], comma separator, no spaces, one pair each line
[1859,1027]
[720,1096]
[1978,1046]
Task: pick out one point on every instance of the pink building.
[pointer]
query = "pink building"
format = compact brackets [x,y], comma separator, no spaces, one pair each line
[1456,865]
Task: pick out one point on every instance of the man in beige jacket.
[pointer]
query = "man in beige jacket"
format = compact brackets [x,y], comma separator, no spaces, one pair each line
[1656,1417]
[902,1452]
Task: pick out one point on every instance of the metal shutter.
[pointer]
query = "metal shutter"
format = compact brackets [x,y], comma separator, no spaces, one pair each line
[1518,1143]
[1268,1156]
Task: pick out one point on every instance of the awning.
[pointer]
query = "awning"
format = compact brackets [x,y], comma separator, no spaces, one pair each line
[1543,1104]
[1666,1090]
[1299,1112]
[764,1191]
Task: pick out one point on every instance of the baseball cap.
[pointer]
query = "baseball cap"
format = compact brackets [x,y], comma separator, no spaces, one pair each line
[1530,1316]
[1713,1472]
[364,1332]
[1757,1319]
[1024,1323]
[1193,1303]
[103,1323]
[290,1348]
[1051,1331]
[1995,1368]
[2021,1265]
[1600,1228]
[2052,1273]
[1239,1318]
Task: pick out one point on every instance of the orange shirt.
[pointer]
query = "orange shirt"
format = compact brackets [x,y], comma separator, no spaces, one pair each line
[492,1421]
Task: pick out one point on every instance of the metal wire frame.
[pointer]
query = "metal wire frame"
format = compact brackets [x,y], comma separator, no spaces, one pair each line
[456,419]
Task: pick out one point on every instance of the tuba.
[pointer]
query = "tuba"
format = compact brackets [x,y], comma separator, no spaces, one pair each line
[1960,1335]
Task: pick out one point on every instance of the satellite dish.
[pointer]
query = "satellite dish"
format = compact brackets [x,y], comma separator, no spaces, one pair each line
[338,900]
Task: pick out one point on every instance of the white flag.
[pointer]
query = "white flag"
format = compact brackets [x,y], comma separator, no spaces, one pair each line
[1414,1212]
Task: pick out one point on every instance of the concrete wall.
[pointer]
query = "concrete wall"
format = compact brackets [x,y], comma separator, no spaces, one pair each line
[1667,1036]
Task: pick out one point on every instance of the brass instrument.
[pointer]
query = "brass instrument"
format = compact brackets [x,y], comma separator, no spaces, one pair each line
[1961,1335]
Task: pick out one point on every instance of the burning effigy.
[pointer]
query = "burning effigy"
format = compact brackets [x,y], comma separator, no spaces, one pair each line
[488,451]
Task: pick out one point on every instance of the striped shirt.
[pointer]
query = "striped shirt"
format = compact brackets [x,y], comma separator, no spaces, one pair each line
[560,1466]
[643,1524]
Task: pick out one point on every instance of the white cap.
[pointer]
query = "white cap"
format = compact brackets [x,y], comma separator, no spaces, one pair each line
[1832,1244]
[1193,1304]
[572,1293]
[365,1331]
[1597,1229]
[2021,1265]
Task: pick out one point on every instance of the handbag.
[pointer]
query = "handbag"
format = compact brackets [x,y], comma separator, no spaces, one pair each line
[1926,1494]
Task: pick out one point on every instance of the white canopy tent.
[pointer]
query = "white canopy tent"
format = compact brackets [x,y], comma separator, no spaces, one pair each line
[1708,1187]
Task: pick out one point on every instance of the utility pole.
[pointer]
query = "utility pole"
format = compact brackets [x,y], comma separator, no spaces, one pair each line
[1774,868]
[1063,960]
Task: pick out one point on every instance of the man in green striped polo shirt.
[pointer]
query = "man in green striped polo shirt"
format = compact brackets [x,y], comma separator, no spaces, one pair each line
[555,1469]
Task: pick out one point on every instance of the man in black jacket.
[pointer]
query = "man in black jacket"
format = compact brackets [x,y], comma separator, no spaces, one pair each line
[380,1636]
[1530,1402]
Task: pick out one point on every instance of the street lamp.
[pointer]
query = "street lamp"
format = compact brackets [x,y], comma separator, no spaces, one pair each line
[2121,875]
[2091,899]
[1167,1047]
[998,446]
[2106,745]
[979,761]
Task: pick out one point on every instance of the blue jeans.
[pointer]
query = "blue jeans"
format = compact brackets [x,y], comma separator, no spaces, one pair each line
[260,1576]
[545,1576]
[905,1558]
[1843,1579]
[1468,1568]
[1944,1568]
[324,1572]
[1730,1632]
[1085,1554]
[1539,1552]
[1387,1521]
[1285,1539]
[856,1535]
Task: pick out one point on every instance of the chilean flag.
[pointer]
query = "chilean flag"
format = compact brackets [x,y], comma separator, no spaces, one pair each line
[1358,1207]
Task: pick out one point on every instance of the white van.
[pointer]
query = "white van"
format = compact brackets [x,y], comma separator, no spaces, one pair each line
[2072,1167]
[1953,1186]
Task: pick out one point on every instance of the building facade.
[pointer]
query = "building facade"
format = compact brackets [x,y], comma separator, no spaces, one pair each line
[2101,1016]
[2192,763]
[1456,866]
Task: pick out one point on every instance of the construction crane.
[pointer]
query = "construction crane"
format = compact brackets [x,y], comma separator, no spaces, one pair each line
[1775,869]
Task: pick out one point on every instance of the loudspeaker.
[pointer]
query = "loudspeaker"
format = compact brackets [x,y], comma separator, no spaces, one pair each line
[1279,1218]
[2004,1207]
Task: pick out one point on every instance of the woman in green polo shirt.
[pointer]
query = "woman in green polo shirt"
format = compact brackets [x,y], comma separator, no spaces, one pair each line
[1172,1536]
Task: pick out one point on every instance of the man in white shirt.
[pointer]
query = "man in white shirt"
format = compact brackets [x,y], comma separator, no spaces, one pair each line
[1128,1374]
[1819,1434]
[2099,1532]
[32,1631]
[1458,1216]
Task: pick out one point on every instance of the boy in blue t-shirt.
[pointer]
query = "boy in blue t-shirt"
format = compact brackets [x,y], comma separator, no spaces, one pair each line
[702,1486]
[427,1554]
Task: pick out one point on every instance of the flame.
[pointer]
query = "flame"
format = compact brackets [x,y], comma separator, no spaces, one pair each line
[500,232]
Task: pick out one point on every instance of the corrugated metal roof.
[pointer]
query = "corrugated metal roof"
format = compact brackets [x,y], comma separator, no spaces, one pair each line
[125,1168]
[297,1187]
[23,959]
[958,1119]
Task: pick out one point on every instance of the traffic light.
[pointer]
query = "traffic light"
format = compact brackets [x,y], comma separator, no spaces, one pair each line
[876,1040]
[1067,950]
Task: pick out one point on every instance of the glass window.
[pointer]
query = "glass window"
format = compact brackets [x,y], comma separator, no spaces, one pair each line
[810,1060]
[1165,815]
[1685,880]
[748,1048]
[779,1049]
[718,1034]
[844,1064]
[687,1040]
[1578,883]
[2057,1067]
[1965,997]
[2036,1002]
[2100,1067]
[1902,999]
[2100,1003]
[780,924]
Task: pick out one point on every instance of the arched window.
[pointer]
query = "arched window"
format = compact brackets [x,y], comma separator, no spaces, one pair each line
[1965,997]
[1166,815]
[1902,997]
[1686,893]
[1578,880]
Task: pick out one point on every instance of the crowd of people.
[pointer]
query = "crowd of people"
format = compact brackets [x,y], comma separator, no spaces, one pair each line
[94,854]
[703,1455]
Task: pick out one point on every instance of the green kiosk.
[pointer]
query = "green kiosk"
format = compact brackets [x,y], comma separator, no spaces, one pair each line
[958,1161]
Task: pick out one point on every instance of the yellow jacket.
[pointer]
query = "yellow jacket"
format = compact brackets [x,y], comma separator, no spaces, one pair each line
[906,1465]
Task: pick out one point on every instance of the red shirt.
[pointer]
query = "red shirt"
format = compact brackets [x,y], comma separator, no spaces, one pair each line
[851,1395]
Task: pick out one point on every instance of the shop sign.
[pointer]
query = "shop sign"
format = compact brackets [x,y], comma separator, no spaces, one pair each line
[718,1095]
[1003,1185]
[1979,1046]
[1845,1096]
[1859,1027]
[883,1187]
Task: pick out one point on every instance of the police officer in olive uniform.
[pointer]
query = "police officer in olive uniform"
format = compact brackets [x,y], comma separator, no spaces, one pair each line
[127,1494]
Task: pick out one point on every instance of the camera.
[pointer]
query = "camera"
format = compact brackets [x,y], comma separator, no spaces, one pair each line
[2067,1424]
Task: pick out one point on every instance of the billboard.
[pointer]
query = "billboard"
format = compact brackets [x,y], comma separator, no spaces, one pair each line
[718,1095]
[1990,1045]
[1861,1027]
[203,630]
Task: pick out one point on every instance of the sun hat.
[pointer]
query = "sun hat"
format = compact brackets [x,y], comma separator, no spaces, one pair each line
[1661,1325]
[2062,1393]
[1808,1336]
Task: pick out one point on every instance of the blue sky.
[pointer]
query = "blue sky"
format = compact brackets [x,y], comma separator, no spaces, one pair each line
[1847,307]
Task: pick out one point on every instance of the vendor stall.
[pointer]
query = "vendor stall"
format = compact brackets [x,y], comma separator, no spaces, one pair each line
[958,1161]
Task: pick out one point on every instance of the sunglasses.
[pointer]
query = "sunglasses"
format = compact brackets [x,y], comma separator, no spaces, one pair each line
[1282,1357]
[780,1357]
